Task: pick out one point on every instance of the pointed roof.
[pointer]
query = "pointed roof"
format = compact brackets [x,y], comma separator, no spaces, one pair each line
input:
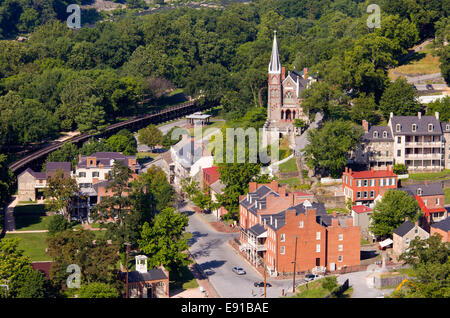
[275,65]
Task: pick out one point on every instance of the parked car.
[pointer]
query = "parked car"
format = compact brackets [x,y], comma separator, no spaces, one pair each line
[261,284]
[239,270]
[310,277]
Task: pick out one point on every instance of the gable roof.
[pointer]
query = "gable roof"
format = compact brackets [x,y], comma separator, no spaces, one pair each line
[443,225]
[380,130]
[154,274]
[372,174]
[421,123]
[64,166]
[427,189]
[361,209]
[404,229]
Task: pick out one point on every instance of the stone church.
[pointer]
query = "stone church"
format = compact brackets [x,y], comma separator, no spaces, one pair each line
[284,104]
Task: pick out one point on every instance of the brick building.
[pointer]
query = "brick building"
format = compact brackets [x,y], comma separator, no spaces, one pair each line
[363,187]
[284,104]
[442,228]
[274,222]
[210,175]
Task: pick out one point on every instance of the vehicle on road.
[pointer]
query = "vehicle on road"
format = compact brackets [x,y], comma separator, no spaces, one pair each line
[310,277]
[239,270]
[261,284]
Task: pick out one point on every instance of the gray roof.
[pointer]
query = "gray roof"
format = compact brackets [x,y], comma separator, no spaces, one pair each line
[64,166]
[105,159]
[422,123]
[427,189]
[154,274]
[257,229]
[217,187]
[404,229]
[444,127]
[443,225]
[369,136]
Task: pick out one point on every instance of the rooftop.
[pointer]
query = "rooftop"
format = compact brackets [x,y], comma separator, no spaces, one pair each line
[361,209]
[368,174]
[443,225]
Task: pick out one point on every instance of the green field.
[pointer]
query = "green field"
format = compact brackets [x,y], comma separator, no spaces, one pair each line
[33,244]
[314,289]
[184,279]
[290,181]
[288,166]
[431,176]
[31,217]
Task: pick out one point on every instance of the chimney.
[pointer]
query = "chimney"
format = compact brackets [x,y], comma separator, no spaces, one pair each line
[372,169]
[334,214]
[283,73]
[350,170]
[416,223]
[419,115]
[346,169]
[252,187]
[334,222]
[406,219]
[365,125]
[426,183]
[436,114]
[305,73]
[391,115]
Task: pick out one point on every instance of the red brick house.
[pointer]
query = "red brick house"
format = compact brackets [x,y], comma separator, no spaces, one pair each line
[210,176]
[364,186]
[431,199]
[278,227]
[442,228]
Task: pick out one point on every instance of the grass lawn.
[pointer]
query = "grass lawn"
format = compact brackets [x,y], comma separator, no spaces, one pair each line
[288,166]
[422,63]
[33,244]
[142,155]
[184,279]
[432,176]
[31,217]
[285,151]
[290,181]
[315,290]
[447,195]
[338,210]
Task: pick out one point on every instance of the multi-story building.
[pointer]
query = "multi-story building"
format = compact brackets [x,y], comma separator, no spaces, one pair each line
[431,199]
[404,234]
[362,215]
[278,227]
[421,143]
[442,228]
[363,187]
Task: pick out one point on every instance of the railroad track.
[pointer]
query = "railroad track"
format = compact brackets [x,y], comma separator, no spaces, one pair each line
[177,111]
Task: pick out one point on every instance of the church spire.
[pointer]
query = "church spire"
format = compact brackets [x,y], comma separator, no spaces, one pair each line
[275,65]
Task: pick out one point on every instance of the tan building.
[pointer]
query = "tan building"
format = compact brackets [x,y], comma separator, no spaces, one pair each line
[442,228]
[404,234]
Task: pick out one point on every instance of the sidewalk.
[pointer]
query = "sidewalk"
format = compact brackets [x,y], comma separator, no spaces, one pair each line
[10,223]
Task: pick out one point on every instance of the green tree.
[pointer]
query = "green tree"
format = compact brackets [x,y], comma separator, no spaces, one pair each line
[124,142]
[58,224]
[33,286]
[167,140]
[400,169]
[330,283]
[150,136]
[6,180]
[98,290]
[329,146]
[391,212]
[155,182]
[431,268]
[364,107]
[400,99]
[165,240]
[442,106]
[60,192]
[445,63]
[67,153]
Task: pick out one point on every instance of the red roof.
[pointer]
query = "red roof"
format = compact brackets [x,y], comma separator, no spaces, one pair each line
[213,174]
[361,209]
[426,210]
[372,174]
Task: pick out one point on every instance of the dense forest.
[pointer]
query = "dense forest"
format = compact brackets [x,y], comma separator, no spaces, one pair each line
[61,79]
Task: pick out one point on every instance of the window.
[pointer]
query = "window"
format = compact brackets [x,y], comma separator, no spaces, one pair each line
[372,194]
[398,127]
[414,127]
[341,237]
[358,183]
[82,174]
[288,95]
[365,194]
[416,230]
[393,181]
[430,127]
[381,182]
[282,237]
[317,235]
[384,134]
[340,247]
[95,174]
[419,191]
[372,182]
[407,241]
[387,153]
[282,250]
[375,134]
[399,140]
[300,225]
[358,195]
[437,201]
[399,153]
[447,127]
[317,248]
[340,258]
[366,183]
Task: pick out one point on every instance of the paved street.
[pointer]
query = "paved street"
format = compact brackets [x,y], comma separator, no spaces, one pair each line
[361,285]
[217,258]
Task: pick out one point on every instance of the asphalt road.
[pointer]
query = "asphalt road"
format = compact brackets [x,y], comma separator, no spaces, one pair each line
[217,258]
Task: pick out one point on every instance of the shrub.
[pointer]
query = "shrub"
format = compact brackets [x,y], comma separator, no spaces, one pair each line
[400,169]
[58,224]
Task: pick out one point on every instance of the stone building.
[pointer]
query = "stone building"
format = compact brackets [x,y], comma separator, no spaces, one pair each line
[404,234]
[284,104]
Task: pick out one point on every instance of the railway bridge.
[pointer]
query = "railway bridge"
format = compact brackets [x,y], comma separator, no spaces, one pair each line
[36,158]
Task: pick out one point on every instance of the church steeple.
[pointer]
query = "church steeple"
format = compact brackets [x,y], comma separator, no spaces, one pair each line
[275,65]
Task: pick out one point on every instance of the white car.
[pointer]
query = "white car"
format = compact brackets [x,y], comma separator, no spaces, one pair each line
[311,277]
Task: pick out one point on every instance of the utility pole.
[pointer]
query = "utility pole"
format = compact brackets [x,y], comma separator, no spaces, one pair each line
[127,250]
[264,264]
[295,263]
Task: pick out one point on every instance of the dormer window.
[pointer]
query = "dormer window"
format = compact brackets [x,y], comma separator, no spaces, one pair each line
[447,127]
[398,128]
[430,127]
[414,127]
[375,134]
[419,191]
[384,134]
